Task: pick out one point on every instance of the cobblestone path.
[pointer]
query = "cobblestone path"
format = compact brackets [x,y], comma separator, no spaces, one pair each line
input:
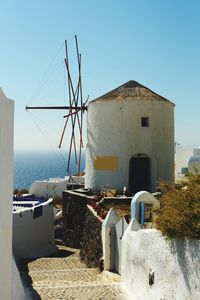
[64,276]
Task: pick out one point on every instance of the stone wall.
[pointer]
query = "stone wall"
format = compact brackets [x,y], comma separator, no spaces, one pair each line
[91,246]
[82,227]
[74,210]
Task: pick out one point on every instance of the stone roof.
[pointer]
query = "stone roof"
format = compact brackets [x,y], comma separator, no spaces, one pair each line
[132,90]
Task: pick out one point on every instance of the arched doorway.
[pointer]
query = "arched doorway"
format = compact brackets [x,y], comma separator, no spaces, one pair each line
[139,173]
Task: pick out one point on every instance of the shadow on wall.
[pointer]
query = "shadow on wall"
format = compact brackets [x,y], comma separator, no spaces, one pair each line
[90,136]
[180,247]
[22,266]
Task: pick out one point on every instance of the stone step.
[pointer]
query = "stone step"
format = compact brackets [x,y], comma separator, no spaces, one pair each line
[68,276]
[72,262]
[64,276]
[82,292]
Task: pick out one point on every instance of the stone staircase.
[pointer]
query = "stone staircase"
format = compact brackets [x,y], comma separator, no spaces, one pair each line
[64,276]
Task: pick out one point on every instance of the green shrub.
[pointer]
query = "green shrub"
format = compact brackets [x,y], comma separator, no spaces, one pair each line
[57,201]
[178,214]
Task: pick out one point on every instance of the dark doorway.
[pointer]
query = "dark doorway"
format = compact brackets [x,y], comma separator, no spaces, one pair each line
[139,173]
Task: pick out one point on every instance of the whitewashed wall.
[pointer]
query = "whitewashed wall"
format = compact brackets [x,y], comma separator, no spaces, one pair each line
[33,237]
[175,265]
[6,191]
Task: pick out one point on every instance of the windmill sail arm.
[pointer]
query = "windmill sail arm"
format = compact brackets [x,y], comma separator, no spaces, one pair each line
[56,107]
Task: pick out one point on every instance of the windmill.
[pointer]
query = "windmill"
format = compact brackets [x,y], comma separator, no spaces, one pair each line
[75,111]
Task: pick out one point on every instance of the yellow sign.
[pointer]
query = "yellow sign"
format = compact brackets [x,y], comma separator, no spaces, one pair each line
[106,163]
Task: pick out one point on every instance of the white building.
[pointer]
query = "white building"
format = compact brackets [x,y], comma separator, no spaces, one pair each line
[53,187]
[182,156]
[130,133]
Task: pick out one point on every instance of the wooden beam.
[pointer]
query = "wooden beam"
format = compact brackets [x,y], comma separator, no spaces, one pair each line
[56,107]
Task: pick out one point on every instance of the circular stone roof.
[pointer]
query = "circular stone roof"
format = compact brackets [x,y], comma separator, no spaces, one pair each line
[132,90]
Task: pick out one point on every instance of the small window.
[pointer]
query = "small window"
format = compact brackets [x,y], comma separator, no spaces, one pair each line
[37,212]
[145,122]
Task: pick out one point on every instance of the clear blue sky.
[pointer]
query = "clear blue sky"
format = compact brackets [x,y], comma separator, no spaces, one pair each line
[154,42]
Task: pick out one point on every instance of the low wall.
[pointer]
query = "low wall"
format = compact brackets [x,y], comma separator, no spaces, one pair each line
[175,265]
[91,246]
[74,210]
[82,227]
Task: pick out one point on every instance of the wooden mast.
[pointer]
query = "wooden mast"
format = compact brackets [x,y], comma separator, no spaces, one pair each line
[75,110]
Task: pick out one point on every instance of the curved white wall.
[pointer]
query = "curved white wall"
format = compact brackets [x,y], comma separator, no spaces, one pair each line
[114,129]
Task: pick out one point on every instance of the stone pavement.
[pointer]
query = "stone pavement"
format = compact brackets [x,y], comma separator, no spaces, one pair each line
[64,276]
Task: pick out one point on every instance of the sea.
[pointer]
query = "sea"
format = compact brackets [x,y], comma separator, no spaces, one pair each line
[39,165]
